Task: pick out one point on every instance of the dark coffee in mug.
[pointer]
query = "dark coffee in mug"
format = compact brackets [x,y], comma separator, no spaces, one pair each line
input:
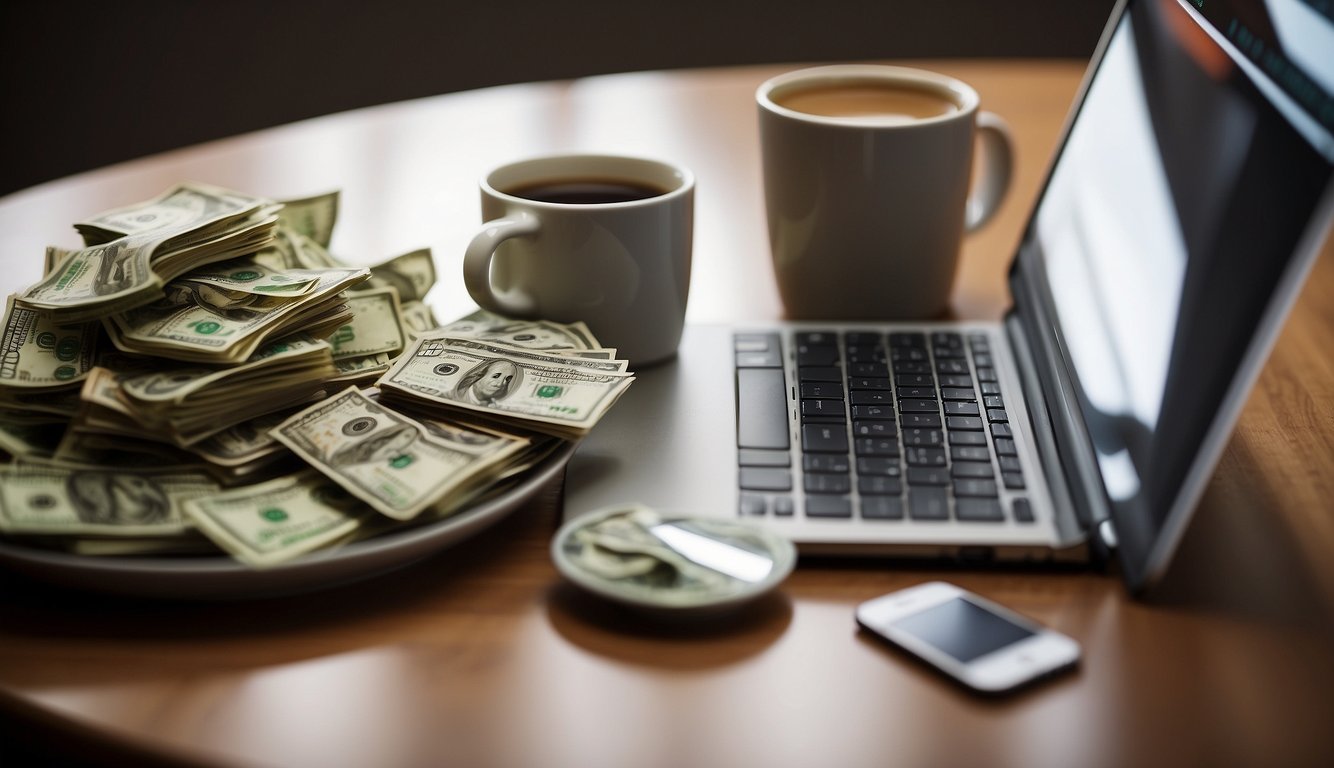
[868,98]
[586,191]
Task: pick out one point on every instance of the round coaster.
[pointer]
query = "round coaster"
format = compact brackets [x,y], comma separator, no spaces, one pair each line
[637,556]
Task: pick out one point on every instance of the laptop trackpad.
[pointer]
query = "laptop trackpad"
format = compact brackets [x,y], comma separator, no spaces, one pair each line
[669,442]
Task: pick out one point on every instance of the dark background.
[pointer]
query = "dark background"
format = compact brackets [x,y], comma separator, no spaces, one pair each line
[86,83]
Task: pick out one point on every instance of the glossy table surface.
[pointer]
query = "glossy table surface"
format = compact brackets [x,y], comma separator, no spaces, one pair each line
[482,656]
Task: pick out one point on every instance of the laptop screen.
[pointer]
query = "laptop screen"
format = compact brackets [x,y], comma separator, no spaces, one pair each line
[1174,231]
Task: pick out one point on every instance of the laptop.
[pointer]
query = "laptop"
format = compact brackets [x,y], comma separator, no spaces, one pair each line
[1189,197]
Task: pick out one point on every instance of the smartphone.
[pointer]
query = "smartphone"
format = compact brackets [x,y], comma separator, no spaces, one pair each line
[982,645]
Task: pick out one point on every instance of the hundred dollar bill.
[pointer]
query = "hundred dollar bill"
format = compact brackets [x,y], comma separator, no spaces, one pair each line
[529,334]
[55,500]
[546,392]
[277,521]
[313,216]
[38,352]
[386,459]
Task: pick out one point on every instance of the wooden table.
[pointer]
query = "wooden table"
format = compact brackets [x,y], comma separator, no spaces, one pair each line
[481,656]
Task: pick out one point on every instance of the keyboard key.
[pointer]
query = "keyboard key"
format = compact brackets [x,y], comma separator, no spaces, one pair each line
[919,406]
[964,423]
[820,373]
[928,503]
[828,506]
[755,342]
[921,420]
[957,393]
[865,337]
[912,366]
[982,359]
[956,380]
[823,410]
[761,408]
[758,350]
[873,428]
[755,457]
[834,463]
[970,453]
[879,466]
[868,382]
[753,504]
[1023,511]
[978,510]
[997,414]
[882,508]
[871,397]
[917,393]
[914,380]
[947,339]
[1008,463]
[907,339]
[952,367]
[815,339]
[825,484]
[968,438]
[879,486]
[990,388]
[972,469]
[877,370]
[1013,480]
[993,401]
[928,476]
[772,359]
[784,506]
[1005,447]
[959,408]
[872,412]
[876,446]
[923,437]
[924,457]
[1001,430]
[946,353]
[765,479]
[975,488]
[824,438]
[821,390]
[817,356]
[986,374]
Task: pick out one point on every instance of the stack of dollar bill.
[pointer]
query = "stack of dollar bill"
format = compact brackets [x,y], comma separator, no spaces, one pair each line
[194,387]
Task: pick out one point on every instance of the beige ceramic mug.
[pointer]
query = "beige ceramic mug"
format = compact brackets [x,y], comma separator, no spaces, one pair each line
[867,184]
[601,239]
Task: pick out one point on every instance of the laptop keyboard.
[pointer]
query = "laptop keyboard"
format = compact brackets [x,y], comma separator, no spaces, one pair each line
[892,426]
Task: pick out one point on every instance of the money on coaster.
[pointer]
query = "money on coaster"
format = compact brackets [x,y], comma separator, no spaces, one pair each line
[639,557]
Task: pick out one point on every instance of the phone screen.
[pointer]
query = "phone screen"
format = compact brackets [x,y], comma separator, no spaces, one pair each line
[962,629]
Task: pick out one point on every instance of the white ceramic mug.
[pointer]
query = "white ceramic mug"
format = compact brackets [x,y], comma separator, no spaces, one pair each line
[622,267]
[867,211]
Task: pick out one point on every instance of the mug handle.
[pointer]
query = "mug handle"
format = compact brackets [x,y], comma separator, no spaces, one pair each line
[998,157]
[477,266]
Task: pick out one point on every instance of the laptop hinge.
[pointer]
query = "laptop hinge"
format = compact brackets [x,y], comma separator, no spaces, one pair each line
[1062,438]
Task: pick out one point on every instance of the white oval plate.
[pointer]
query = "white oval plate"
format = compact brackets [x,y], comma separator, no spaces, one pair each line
[221,577]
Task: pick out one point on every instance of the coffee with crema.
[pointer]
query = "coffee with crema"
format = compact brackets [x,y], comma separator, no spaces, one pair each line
[867,100]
